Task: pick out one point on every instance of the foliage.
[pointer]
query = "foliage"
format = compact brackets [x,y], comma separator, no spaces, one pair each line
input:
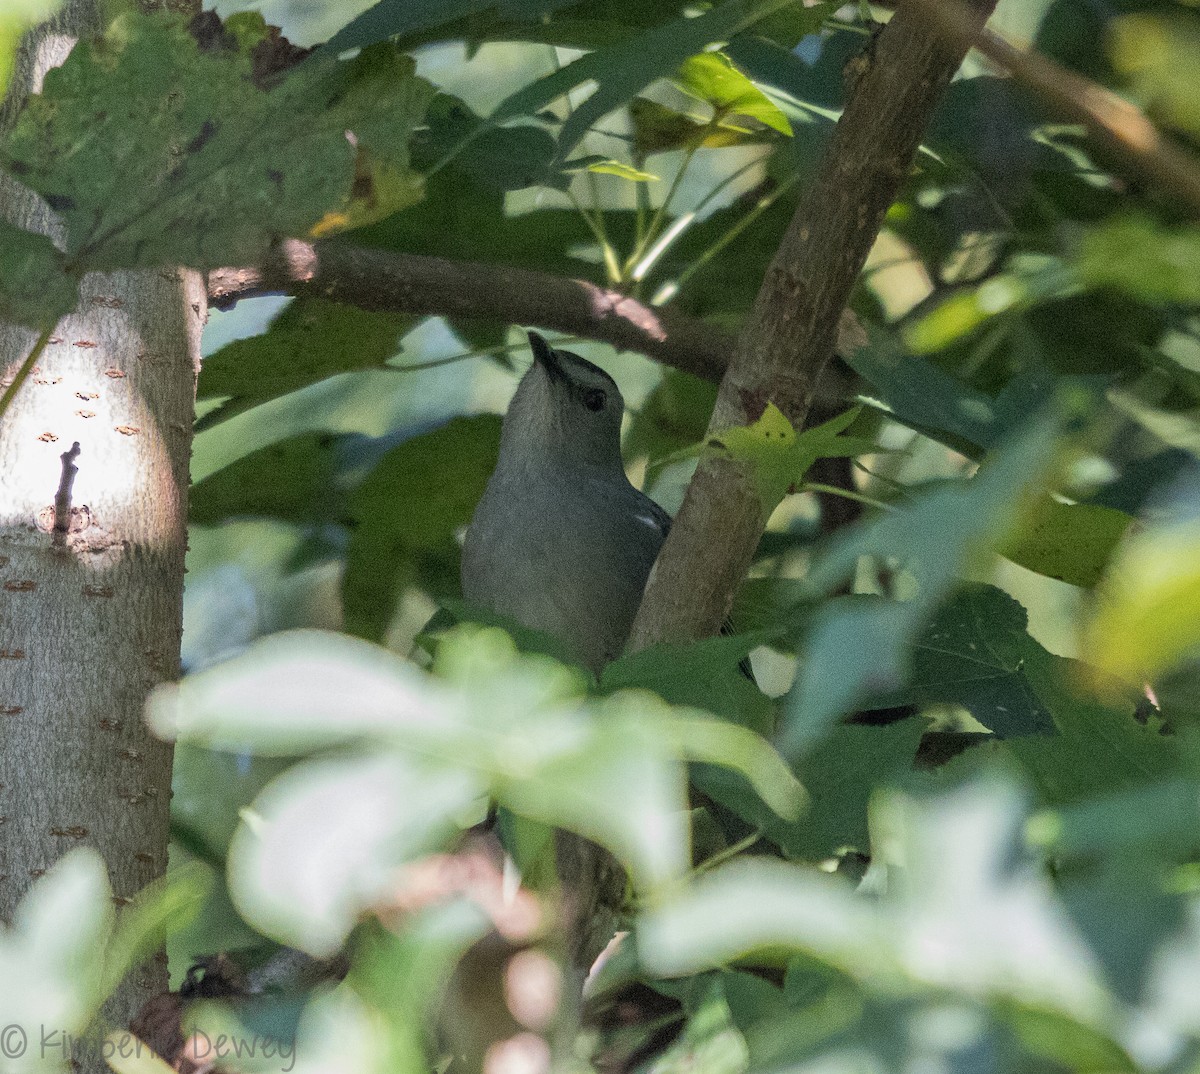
[956,827]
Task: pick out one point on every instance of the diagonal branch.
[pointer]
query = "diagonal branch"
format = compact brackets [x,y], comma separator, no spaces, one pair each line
[792,330]
[1130,141]
[411,283]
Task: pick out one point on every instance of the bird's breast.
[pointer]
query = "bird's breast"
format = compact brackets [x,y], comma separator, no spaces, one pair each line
[563,559]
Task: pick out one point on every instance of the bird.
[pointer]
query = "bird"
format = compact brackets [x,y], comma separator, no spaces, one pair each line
[561,541]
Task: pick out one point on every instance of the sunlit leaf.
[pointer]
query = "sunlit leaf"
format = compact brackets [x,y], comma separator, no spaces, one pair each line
[1147,613]
[712,78]
[17,17]
[1070,542]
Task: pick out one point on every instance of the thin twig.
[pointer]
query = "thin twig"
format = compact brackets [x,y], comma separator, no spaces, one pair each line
[62,498]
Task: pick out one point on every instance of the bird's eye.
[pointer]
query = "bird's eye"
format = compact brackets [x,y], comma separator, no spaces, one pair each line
[594,399]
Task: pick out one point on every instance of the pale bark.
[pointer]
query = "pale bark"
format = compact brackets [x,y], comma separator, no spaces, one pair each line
[90,618]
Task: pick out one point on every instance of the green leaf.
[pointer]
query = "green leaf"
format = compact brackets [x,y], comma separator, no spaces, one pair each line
[961,908]
[716,742]
[297,692]
[1160,53]
[779,457]
[1147,612]
[398,18]
[623,171]
[414,501]
[154,152]
[1100,746]
[705,674]
[710,1042]
[1072,542]
[295,480]
[354,819]
[861,648]
[309,340]
[17,17]
[968,310]
[972,653]
[712,78]
[767,910]
[35,288]
[1144,259]
[840,775]
[415,751]
[623,70]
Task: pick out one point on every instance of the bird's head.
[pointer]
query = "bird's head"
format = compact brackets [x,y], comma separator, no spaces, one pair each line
[565,410]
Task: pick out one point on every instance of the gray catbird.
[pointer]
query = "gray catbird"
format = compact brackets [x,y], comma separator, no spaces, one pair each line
[561,541]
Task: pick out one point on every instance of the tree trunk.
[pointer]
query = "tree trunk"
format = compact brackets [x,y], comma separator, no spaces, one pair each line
[92,542]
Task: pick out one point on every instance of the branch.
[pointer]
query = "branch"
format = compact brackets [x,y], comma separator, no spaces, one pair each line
[410,283]
[1118,127]
[792,330]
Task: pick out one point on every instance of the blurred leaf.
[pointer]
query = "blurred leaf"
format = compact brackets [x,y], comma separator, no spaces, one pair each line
[53,970]
[309,340]
[414,500]
[967,310]
[932,401]
[164,907]
[35,288]
[1162,816]
[711,77]
[705,674]
[154,152]
[1123,912]
[961,909]
[17,17]
[293,480]
[1135,255]
[840,774]
[768,910]
[1071,542]
[1161,53]
[1099,747]
[857,649]
[710,1042]
[320,845]
[674,415]
[296,692]
[397,18]
[1147,614]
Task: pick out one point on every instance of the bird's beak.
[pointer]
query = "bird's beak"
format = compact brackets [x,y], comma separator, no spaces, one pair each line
[544,355]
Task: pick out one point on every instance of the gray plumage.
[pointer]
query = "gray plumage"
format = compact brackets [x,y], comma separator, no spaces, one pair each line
[561,541]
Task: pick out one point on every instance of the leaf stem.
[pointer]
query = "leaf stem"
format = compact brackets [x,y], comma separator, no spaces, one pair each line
[23,373]
[833,490]
[653,230]
[763,205]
